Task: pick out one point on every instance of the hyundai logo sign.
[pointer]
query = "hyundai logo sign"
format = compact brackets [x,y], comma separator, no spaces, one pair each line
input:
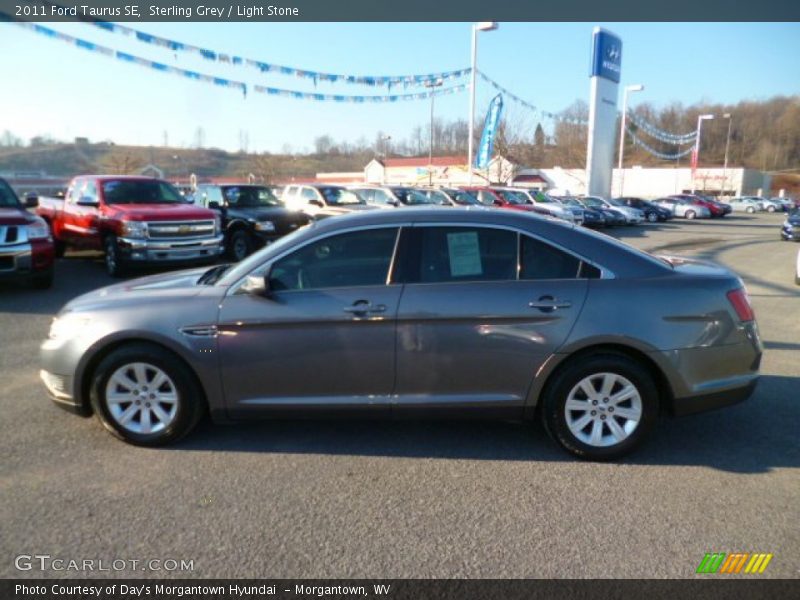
[606,55]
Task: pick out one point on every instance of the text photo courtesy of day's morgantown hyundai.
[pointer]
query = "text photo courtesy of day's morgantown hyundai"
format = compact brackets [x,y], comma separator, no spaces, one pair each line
[320,300]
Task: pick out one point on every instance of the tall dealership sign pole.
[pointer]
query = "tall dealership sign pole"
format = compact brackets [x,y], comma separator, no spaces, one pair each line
[606,68]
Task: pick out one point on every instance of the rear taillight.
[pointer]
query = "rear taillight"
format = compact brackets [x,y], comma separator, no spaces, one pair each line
[741,304]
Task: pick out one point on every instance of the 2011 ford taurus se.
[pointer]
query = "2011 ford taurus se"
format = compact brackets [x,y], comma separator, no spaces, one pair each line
[424,312]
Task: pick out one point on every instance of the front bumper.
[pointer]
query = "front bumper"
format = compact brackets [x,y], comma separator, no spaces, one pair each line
[23,260]
[791,234]
[173,251]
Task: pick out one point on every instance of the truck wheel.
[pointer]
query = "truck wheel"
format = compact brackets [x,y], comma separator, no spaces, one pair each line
[600,407]
[145,395]
[239,245]
[43,281]
[114,265]
[60,248]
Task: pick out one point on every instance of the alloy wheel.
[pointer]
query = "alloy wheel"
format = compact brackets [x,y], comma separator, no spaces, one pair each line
[603,409]
[141,398]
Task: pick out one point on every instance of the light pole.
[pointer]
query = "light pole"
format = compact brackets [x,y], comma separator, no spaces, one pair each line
[695,162]
[430,84]
[385,143]
[728,116]
[476,27]
[628,88]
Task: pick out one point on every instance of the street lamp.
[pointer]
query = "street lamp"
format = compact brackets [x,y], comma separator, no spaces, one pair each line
[432,83]
[385,143]
[700,119]
[476,27]
[728,116]
[628,88]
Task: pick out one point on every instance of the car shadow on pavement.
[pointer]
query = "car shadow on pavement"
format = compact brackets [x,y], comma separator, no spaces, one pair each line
[756,436]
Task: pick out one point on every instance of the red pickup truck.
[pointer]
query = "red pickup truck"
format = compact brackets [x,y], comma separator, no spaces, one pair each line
[26,247]
[133,220]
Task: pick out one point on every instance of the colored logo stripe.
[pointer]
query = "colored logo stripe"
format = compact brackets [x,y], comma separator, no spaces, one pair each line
[720,562]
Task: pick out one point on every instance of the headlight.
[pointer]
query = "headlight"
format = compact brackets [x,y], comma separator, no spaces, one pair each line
[134,229]
[38,230]
[217,224]
[265,226]
[788,225]
[68,326]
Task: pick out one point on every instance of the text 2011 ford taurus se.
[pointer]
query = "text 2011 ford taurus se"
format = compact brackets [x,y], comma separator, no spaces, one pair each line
[415,312]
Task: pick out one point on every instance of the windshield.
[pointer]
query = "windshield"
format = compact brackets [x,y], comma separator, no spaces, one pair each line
[140,191]
[616,202]
[437,197]
[338,196]
[571,202]
[513,197]
[250,196]
[8,199]
[594,202]
[462,197]
[543,198]
[411,196]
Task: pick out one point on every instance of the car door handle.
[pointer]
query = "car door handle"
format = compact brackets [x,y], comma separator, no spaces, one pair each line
[549,303]
[364,307]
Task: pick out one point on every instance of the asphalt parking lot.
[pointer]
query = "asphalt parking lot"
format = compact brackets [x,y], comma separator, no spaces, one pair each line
[414,499]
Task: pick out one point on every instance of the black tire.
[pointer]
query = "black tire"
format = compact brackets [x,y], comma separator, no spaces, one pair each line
[567,377]
[239,245]
[190,400]
[114,263]
[43,281]
[652,217]
[690,214]
[60,248]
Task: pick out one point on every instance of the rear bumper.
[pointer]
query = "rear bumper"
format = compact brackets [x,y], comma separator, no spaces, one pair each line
[170,251]
[706,402]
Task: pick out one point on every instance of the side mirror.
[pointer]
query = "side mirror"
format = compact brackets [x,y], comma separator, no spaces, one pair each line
[316,203]
[214,205]
[87,201]
[31,200]
[257,286]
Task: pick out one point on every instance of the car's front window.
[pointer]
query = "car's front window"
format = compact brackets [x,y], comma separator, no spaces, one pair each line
[251,197]
[8,199]
[123,191]
[354,259]
[513,197]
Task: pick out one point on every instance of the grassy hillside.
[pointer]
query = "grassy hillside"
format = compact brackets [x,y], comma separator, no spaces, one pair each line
[71,159]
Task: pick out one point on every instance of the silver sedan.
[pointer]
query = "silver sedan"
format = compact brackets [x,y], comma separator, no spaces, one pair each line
[425,312]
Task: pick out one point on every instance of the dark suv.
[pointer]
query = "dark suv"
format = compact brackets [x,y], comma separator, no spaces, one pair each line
[252,216]
[652,213]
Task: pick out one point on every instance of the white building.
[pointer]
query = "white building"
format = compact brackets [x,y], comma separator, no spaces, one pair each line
[655,182]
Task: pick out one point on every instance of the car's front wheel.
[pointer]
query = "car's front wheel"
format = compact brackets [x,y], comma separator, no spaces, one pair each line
[239,245]
[690,214]
[114,263]
[771,209]
[145,395]
[751,210]
[652,217]
[600,407]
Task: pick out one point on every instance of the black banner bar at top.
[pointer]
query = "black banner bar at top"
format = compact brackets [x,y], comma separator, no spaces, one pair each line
[404,11]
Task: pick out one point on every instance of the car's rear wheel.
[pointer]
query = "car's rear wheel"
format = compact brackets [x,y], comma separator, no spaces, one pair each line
[145,396]
[690,214]
[751,210]
[652,217]
[600,407]
[771,209]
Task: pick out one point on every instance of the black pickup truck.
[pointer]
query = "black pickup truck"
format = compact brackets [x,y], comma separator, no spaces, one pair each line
[252,216]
